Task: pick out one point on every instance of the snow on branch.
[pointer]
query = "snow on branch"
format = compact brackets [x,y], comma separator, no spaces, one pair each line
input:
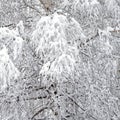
[30,6]
[10,49]
[12,40]
[8,72]
[55,36]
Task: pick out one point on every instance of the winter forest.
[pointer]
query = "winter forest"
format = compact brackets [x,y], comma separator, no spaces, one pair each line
[59,59]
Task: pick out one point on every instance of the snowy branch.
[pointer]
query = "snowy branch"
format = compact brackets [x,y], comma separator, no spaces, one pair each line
[30,6]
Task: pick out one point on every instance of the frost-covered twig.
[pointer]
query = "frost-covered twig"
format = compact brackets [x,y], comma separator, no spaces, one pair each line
[30,6]
[78,105]
[47,106]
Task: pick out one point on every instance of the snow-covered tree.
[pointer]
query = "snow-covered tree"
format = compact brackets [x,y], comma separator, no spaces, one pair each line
[61,34]
[12,40]
[68,68]
[8,72]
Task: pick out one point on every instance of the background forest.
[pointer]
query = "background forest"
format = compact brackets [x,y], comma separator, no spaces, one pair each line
[59,59]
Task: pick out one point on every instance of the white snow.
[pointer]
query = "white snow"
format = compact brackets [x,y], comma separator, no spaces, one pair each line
[8,71]
[51,37]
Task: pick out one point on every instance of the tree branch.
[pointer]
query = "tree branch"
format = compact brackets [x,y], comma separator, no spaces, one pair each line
[36,98]
[30,6]
[78,105]
[46,5]
[42,109]
[9,25]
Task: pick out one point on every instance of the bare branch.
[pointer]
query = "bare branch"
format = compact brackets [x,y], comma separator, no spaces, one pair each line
[9,25]
[47,106]
[42,109]
[36,98]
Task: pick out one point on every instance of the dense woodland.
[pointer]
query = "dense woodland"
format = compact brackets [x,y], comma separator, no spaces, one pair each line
[59,59]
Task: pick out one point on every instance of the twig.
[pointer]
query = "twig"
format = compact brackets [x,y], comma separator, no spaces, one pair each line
[36,98]
[79,105]
[41,2]
[92,37]
[30,6]
[42,109]
[84,53]
[46,9]
[9,25]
